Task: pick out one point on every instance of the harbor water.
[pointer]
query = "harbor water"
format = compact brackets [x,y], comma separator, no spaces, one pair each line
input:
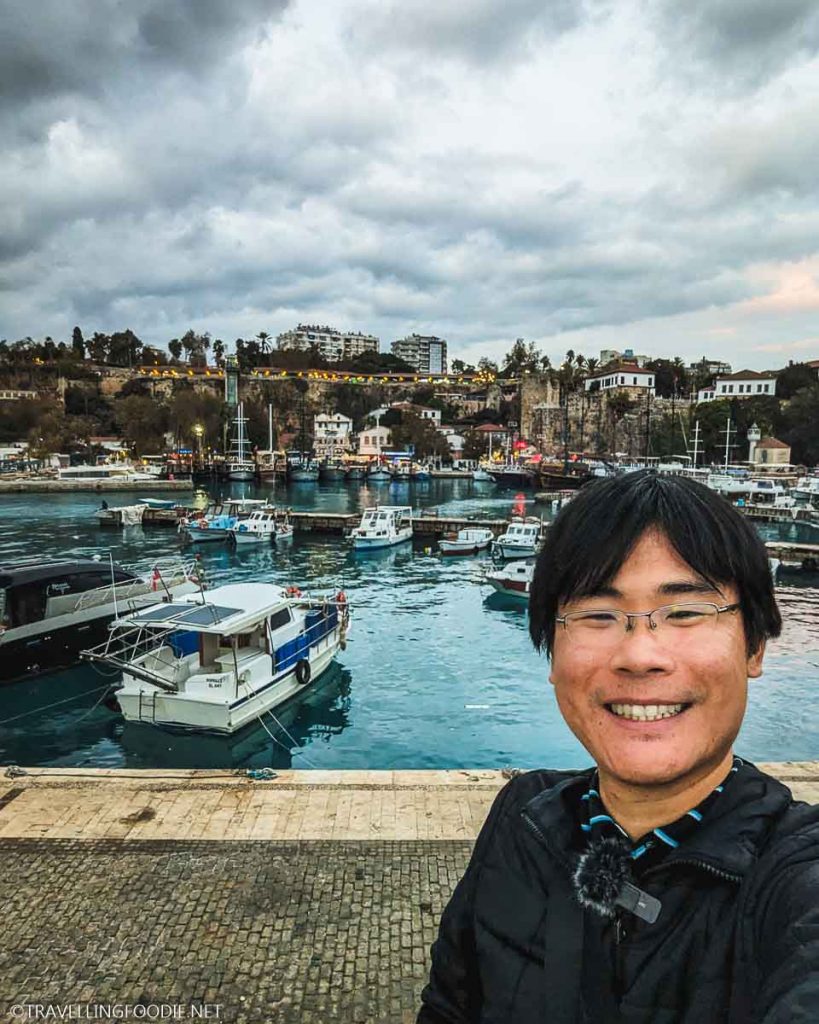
[438,673]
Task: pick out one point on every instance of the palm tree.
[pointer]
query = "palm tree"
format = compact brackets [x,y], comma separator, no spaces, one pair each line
[263,337]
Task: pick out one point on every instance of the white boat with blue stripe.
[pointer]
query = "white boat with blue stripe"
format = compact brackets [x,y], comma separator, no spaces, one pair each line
[214,663]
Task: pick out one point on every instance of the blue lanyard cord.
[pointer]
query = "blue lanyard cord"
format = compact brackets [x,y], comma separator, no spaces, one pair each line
[596,823]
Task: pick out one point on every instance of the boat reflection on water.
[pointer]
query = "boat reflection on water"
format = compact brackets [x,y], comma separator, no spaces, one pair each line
[322,712]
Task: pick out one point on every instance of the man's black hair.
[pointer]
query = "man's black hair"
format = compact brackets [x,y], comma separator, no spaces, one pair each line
[594,534]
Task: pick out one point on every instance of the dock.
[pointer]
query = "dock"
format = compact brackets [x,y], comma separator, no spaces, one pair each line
[305,898]
[806,556]
[771,514]
[46,486]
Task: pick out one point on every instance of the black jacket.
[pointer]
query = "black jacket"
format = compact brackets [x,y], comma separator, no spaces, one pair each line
[737,939]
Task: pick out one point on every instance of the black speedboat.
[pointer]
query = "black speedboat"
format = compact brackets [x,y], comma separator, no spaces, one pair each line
[50,610]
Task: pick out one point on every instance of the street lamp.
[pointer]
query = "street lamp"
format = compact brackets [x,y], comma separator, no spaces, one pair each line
[199,430]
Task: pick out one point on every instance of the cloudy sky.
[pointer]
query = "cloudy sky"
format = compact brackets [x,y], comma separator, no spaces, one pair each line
[584,173]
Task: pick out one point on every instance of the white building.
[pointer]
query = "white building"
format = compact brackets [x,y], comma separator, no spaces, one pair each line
[333,344]
[742,384]
[424,411]
[425,352]
[620,375]
[373,440]
[332,434]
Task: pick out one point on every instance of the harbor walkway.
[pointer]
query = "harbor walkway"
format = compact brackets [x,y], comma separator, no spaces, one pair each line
[310,897]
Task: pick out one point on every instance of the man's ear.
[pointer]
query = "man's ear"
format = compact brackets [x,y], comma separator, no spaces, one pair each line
[755,662]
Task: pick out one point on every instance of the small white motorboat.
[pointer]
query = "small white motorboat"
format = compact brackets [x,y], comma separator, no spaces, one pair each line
[258,528]
[521,540]
[216,522]
[215,664]
[513,580]
[383,526]
[482,476]
[158,503]
[465,542]
[284,528]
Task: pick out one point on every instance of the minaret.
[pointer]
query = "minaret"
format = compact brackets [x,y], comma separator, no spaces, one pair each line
[753,436]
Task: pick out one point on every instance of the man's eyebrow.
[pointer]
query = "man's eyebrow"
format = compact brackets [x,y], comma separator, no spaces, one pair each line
[688,587]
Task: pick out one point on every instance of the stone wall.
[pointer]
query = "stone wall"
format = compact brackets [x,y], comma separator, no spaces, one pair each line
[598,423]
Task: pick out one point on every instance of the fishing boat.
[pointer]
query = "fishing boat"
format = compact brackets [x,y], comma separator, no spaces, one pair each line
[420,473]
[378,474]
[214,665]
[521,539]
[303,471]
[807,488]
[513,475]
[258,528]
[465,542]
[332,472]
[239,466]
[513,580]
[51,609]
[383,526]
[355,473]
[214,523]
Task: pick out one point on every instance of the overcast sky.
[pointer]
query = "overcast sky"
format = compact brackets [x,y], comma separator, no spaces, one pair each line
[633,173]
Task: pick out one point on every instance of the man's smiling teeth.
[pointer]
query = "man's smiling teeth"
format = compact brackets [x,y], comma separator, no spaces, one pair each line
[646,712]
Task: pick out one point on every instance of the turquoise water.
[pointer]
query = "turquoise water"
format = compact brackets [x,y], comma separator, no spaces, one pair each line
[438,673]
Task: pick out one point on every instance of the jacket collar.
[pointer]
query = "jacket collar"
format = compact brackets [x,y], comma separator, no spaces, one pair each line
[729,839]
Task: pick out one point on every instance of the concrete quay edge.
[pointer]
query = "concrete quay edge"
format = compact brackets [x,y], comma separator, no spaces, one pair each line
[205,804]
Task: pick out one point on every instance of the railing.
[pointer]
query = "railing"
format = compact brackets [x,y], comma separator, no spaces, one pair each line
[158,576]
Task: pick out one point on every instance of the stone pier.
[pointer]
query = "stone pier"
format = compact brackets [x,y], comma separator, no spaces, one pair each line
[309,897]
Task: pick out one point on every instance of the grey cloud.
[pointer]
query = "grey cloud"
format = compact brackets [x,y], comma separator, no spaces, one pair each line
[53,46]
[477,31]
[737,43]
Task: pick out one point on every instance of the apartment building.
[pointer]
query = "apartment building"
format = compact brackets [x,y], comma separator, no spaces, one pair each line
[334,345]
[425,352]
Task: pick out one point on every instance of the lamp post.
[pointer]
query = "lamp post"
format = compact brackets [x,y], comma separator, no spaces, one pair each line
[199,430]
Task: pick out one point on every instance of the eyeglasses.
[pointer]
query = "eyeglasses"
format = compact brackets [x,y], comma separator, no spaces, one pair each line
[602,626]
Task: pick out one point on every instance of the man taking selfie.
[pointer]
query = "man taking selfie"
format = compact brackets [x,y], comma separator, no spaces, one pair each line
[672,882]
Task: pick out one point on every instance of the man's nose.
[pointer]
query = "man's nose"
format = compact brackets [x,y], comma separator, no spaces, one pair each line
[642,650]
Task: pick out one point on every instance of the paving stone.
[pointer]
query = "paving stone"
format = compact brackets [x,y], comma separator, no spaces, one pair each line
[272,931]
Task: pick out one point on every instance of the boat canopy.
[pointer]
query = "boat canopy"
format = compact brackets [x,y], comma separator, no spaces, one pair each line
[219,613]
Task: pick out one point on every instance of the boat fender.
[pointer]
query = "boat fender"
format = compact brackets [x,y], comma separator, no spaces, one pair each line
[303,672]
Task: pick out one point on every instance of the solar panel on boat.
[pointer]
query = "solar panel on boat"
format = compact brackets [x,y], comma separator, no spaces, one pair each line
[188,615]
[206,615]
[167,611]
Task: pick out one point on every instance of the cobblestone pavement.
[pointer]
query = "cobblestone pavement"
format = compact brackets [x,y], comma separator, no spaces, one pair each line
[296,931]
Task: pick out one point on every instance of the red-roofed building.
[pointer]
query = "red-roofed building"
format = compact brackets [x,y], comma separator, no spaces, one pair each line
[772,452]
[619,375]
[742,384]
